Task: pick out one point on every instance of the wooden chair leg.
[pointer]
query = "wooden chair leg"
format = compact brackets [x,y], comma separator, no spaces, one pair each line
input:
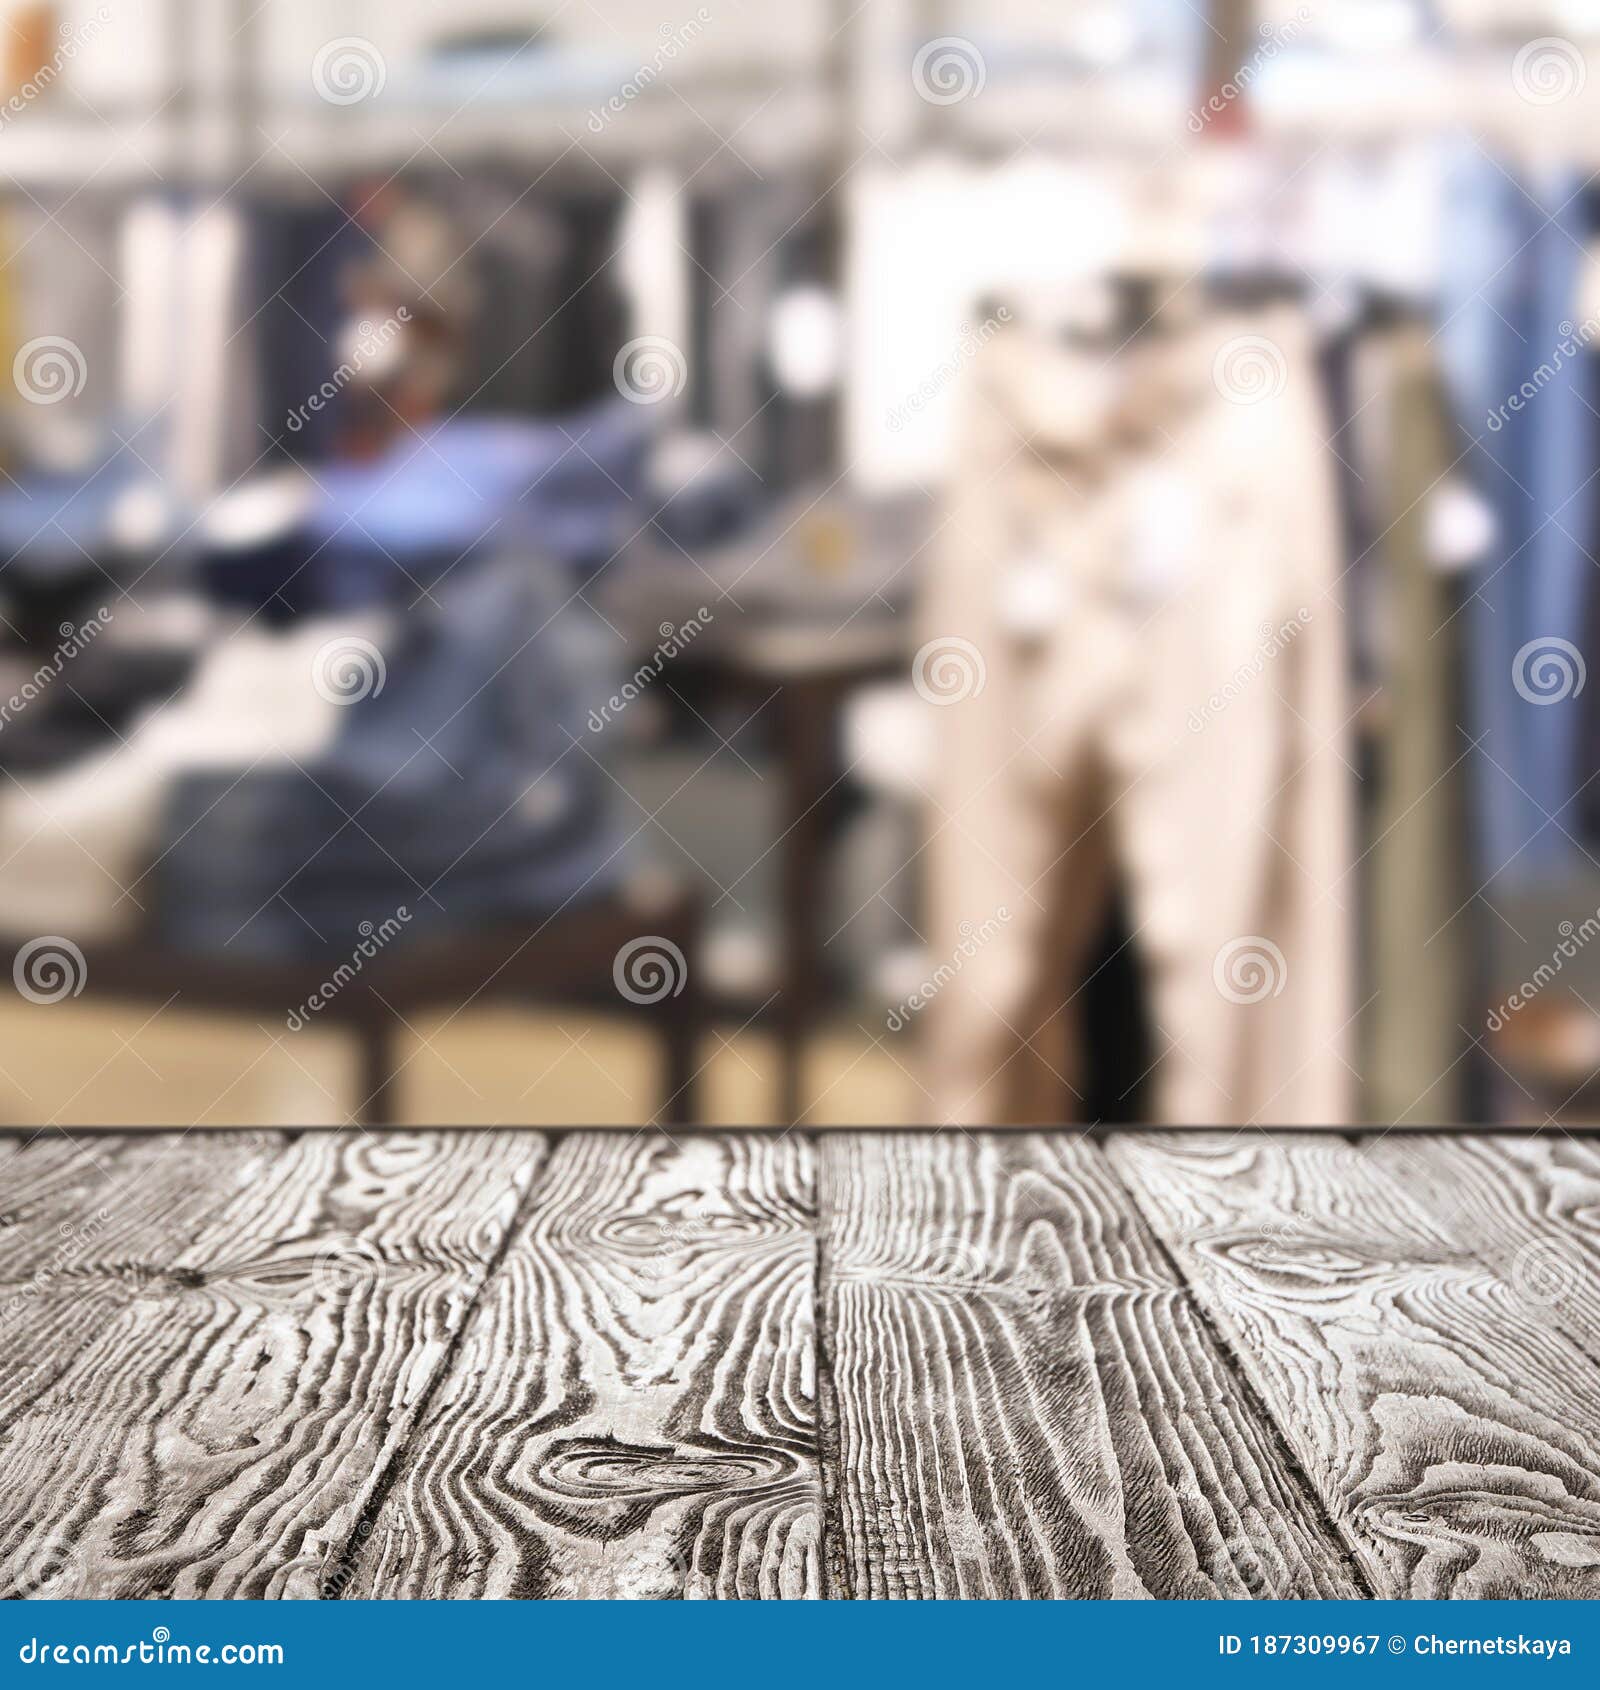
[680,1058]
[376,1078]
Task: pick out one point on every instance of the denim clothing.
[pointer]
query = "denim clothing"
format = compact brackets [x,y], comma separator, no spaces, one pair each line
[384,531]
[60,554]
[1518,383]
[49,520]
[564,488]
[454,789]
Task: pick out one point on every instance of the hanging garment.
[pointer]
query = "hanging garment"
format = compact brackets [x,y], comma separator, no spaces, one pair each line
[302,254]
[550,318]
[62,291]
[1418,920]
[750,244]
[187,366]
[1518,380]
[1354,385]
[1135,655]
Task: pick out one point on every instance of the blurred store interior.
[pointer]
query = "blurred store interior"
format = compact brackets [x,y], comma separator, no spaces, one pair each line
[904,561]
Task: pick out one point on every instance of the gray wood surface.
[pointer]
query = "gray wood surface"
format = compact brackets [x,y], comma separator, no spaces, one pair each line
[632,1412]
[64,1197]
[1025,1402]
[214,1386]
[1527,1208]
[843,1364]
[86,1225]
[1452,1431]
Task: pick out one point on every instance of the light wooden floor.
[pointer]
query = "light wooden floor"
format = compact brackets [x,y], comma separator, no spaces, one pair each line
[78,1064]
[849,1364]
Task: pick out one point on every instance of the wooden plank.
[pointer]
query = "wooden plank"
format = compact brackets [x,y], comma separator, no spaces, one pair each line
[44,1181]
[1528,1208]
[631,1412]
[1025,1402]
[224,1423]
[91,1198]
[1453,1435]
[10,1143]
[84,1222]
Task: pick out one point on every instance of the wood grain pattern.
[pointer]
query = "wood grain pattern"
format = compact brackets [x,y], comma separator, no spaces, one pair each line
[218,1407]
[441,1364]
[1528,1208]
[631,1412]
[1024,1400]
[85,1223]
[106,1198]
[1452,1432]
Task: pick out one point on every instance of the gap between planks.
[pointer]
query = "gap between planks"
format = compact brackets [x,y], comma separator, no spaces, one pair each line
[1447,1416]
[632,1410]
[1111,1449]
[664,1483]
[339,1568]
[1124,1283]
[267,1315]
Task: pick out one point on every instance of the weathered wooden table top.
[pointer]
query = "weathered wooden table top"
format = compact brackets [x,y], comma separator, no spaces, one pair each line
[851,1364]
